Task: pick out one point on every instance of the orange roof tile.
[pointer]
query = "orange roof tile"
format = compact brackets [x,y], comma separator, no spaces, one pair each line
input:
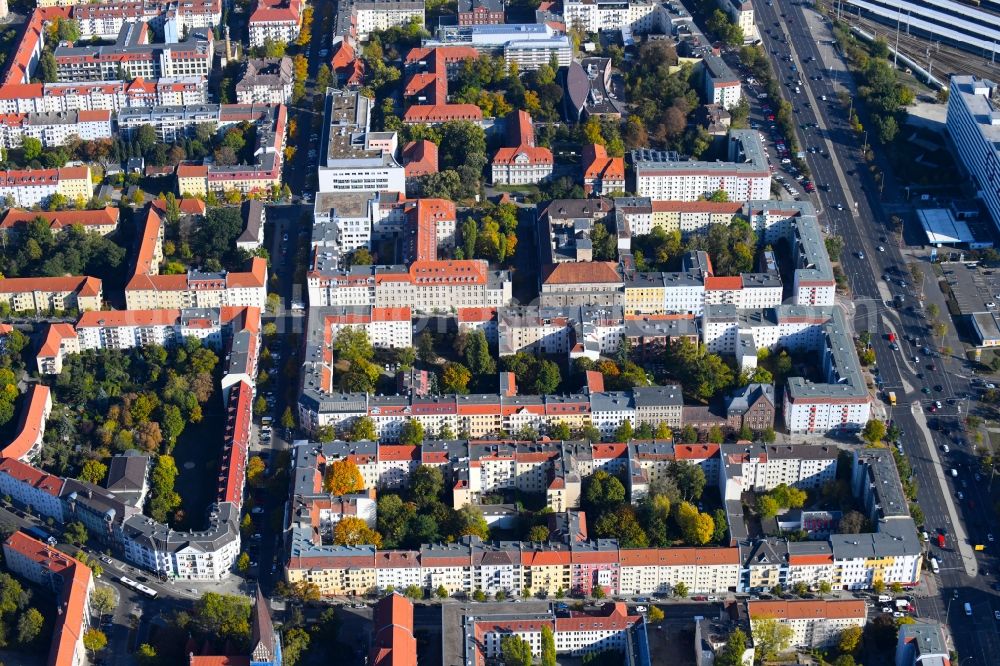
[32,422]
[581,272]
[53,338]
[61,219]
[440,113]
[79,284]
[718,283]
[805,609]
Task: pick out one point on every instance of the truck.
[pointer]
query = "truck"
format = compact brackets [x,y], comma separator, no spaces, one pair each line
[935,567]
[940,540]
[892,398]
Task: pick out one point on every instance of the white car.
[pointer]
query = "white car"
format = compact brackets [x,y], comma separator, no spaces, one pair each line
[881,249]
[785,160]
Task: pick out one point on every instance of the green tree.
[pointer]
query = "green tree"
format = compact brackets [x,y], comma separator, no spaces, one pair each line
[29,626]
[224,616]
[294,643]
[103,600]
[538,533]
[469,520]
[824,587]
[93,472]
[732,652]
[243,562]
[515,651]
[656,615]
[76,532]
[690,479]
[146,655]
[363,429]
[850,638]
[548,646]
[455,378]
[441,592]
[95,640]
[873,432]
[771,637]
[31,147]
[560,431]
[680,590]
[411,432]
[415,592]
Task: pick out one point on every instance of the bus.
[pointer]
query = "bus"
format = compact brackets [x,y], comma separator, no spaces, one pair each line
[138,587]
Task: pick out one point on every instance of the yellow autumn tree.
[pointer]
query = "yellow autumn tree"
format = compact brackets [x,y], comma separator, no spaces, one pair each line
[343,477]
[351,531]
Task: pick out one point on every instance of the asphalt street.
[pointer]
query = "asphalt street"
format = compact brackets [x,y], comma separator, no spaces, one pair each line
[875,262]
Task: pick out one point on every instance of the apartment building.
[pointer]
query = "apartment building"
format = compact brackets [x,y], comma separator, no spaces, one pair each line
[27,442]
[275,20]
[386,328]
[54,129]
[265,81]
[576,332]
[721,85]
[576,633]
[814,623]
[134,55]
[974,127]
[530,45]
[922,643]
[103,221]
[602,175]
[741,13]
[520,161]
[105,19]
[626,17]
[354,159]
[663,176]
[28,188]
[197,289]
[642,215]
[46,98]
[426,286]
[570,284]
[32,488]
[393,642]
[360,18]
[42,295]
[70,580]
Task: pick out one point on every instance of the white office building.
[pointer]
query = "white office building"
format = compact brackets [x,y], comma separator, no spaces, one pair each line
[974,127]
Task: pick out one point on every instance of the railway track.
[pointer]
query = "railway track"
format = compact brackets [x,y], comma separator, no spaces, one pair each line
[942,59]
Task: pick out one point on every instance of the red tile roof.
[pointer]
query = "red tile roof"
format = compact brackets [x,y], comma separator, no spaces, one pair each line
[808,609]
[442,113]
[25,473]
[84,285]
[32,423]
[394,643]
[420,158]
[61,219]
[597,165]
[583,272]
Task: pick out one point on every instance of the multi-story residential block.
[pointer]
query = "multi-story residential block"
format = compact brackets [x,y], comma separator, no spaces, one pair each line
[101,95]
[104,20]
[814,623]
[275,20]
[602,175]
[575,633]
[642,215]
[426,286]
[386,328]
[198,289]
[420,158]
[27,188]
[54,129]
[662,176]
[27,443]
[51,294]
[521,162]
[572,331]
[134,55]
[354,159]
[69,579]
[102,221]
[974,127]
[572,284]
[265,81]
[32,488]
[741,13]
[626,17]
[721,85]
[530,45]
[481,12]
[360,18]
